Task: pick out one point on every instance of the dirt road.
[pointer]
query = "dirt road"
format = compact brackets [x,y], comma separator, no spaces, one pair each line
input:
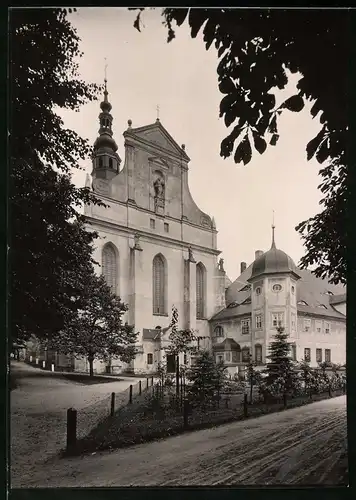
[38,409]
[301,446]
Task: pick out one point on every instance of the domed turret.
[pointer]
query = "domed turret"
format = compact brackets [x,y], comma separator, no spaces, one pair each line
[274,261]
[105,159]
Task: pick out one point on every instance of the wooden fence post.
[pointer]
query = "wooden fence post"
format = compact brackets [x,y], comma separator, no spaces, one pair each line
[43,364]
[130,394]
[147,383]
[139,387]
[151,380]
[37,360]
[285,400]
[52,367]
[310,394]
[330,390]
[30,359]
[185,413]
[112,406]
[71,429]
[245,406]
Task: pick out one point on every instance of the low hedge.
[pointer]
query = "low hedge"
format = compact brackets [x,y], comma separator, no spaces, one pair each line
[114,432]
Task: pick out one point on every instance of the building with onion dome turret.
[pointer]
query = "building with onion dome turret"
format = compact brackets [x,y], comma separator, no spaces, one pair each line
[273,292]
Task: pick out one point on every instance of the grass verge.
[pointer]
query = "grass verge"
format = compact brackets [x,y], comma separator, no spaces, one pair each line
[118,432]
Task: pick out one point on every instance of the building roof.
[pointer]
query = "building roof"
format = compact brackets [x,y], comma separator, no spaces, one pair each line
[227,345]
[274,261]
[315,292]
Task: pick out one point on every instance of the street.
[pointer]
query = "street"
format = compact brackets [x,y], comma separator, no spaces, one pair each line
[38,409]
[301,446]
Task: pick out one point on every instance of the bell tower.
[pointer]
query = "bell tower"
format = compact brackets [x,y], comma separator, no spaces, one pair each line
[105,159]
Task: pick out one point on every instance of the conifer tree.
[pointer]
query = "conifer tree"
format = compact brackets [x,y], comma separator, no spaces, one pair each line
[280,367]
[207,378]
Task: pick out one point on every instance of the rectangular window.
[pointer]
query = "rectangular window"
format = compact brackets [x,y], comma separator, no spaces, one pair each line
[152,223]
[258,321]
[219,358]
[277,319]
[228,357]
[307,354]
[258,354]
[235,357]
[326,327]
[293,322]
[166,227]
[293,352]
[150,358]
[318,326]
[245,326]
[307,325]
[328,355]
[319,355]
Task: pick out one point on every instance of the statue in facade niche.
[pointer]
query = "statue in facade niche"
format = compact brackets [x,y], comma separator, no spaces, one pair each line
[159,188]
[221,265]
[190,255]
[137,242]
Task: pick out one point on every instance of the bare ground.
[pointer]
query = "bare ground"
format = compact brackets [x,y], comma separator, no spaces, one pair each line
[38,407]
[300,446]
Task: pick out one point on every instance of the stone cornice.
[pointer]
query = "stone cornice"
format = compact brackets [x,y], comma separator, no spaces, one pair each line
[150,235]
[132,204]
[320,316]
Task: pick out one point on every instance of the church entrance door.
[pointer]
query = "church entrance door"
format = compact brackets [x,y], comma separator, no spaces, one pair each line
[171,363]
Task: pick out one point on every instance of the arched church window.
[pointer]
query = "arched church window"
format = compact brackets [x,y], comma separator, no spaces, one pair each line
[159,285]
[200,290]
[109,265]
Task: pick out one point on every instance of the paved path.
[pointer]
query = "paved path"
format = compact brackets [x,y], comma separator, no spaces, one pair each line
[301,446]
[38,414]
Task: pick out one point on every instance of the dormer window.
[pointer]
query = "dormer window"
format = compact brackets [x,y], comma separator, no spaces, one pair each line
[246,288]
[322,306]
[329,292]
[247,301]
[302,303]
[219,331]
[232,304]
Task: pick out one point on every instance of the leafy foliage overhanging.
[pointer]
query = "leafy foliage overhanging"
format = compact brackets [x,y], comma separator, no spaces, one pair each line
[50,249]
[255,48]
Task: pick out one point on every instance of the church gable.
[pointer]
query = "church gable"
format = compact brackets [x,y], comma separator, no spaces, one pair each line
[157,136]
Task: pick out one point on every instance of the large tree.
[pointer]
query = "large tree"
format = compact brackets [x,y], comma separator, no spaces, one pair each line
[50,251]
[255,48]
[97,332]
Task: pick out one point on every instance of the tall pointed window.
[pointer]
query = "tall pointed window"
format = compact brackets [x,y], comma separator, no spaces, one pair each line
[200,290]
[109,266]
[159,285]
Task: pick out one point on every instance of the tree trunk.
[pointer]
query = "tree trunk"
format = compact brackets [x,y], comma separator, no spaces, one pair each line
[251,390]
[91,367]
[177,374]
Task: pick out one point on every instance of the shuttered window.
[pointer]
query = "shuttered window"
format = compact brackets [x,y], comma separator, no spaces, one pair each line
[159,285]
[258,353]
[200,291]
[109,266]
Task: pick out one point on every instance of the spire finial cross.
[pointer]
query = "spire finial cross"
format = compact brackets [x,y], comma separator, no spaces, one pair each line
[105,69]
[273,228]
[157,109]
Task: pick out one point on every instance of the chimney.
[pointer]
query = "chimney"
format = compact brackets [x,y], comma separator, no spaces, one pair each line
[243,267]
[258,253]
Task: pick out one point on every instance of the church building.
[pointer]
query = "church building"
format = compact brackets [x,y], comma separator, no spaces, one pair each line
[158,249]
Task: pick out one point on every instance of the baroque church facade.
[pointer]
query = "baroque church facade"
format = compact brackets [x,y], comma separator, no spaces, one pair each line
[158,249]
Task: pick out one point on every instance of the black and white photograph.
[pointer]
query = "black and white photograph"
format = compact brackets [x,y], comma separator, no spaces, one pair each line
[177,245]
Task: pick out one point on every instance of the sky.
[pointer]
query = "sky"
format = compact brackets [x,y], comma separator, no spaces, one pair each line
[180,77]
